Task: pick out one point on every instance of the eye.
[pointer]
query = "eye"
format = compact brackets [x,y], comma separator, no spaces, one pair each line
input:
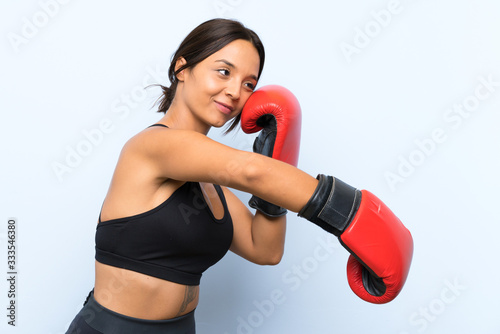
[250,85]
[224,71]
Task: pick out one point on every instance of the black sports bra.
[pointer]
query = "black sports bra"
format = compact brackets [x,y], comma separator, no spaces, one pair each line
[176,241]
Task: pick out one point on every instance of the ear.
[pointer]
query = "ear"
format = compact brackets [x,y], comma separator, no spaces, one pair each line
[178,64]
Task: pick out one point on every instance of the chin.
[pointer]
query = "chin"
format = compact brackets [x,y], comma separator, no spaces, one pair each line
[220,123]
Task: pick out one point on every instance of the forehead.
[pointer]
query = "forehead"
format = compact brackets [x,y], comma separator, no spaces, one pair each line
[242,54]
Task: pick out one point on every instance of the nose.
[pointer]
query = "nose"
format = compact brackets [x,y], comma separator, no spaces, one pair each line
[233,89]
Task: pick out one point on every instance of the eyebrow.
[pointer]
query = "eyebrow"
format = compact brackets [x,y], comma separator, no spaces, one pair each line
[228,63]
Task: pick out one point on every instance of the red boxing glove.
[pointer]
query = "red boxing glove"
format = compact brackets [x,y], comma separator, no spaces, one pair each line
[274,104]
[275,112]
[378,240]
[380,245]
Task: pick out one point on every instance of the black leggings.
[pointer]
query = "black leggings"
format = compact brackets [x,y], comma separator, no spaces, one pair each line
[94,318]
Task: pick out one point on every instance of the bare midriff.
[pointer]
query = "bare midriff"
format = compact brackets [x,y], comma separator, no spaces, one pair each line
[141,296]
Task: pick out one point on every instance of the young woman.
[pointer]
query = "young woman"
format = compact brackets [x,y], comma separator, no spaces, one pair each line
[151,241]
[169,214]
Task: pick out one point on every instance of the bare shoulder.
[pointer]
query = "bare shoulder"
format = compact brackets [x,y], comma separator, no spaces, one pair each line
[182,155]
[156,140]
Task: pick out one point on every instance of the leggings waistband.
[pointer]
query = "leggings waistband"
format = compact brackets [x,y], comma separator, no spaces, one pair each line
[109,322]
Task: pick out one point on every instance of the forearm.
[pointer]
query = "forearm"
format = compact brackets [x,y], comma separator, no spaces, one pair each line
[268,237]
[272,180]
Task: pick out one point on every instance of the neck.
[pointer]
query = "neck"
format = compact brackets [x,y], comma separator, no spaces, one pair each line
[178,117]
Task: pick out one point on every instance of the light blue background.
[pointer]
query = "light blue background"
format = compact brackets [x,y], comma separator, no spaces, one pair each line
[69,66]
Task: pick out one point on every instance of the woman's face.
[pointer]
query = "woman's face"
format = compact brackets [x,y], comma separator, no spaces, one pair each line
[216,89]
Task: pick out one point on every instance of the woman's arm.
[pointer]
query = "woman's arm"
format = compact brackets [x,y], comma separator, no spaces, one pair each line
[190,156]
[257,238]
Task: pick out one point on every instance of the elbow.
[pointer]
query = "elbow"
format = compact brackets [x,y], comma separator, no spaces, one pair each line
[275,260]
[271,259]
[253,170]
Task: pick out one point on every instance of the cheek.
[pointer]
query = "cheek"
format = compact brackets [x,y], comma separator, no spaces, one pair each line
[199,92]
[211,85]
[244,97]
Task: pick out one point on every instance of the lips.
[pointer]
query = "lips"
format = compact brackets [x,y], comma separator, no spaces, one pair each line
[224,108]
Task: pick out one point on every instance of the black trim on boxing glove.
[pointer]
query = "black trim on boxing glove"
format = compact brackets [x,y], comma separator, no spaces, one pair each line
[267,208]
[373,284]
[332,205]
[264,144]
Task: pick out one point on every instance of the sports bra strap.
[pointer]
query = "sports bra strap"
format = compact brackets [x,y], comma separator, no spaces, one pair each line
[158,124]
[222,198]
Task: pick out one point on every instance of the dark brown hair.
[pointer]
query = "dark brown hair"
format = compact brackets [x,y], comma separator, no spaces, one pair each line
[206,39]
